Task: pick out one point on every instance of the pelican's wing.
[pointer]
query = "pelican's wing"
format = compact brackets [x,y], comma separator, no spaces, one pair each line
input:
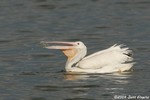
[112,56]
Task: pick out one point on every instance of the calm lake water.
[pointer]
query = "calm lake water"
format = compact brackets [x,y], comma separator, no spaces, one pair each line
[30,72]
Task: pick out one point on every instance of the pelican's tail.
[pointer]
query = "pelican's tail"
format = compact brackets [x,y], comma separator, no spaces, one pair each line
[125,53]
[125,67]
[126,57]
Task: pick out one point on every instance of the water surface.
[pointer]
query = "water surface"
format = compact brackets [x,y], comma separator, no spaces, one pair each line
[31,72]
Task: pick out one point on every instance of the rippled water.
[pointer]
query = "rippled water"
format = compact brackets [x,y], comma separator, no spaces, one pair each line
[30,72]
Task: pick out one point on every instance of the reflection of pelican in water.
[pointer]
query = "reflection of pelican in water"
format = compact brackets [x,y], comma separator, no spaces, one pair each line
[113,59]
[118,78]
[74,76]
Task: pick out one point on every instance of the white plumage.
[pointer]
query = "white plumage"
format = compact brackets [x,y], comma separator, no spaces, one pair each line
[113,59]
[111,56]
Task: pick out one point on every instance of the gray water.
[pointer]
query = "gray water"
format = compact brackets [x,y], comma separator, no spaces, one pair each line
[30,72]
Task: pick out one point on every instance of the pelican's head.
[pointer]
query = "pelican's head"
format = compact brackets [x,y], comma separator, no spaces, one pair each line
[73,50]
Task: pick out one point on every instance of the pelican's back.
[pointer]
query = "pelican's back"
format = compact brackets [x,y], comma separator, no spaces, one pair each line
[111,57]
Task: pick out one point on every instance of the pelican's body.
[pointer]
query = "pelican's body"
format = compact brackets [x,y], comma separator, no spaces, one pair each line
[113,59]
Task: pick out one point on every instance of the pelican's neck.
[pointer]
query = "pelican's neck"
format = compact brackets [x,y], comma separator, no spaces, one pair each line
[71,63]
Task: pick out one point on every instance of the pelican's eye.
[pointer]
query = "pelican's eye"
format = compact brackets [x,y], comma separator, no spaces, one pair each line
[78,43]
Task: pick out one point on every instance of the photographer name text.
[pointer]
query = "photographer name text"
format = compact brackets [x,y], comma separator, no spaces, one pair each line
[131,97]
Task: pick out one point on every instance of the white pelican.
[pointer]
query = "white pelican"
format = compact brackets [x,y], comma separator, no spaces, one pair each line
[114,59]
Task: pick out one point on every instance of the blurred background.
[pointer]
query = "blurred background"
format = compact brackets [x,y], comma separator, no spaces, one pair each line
[30,72]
